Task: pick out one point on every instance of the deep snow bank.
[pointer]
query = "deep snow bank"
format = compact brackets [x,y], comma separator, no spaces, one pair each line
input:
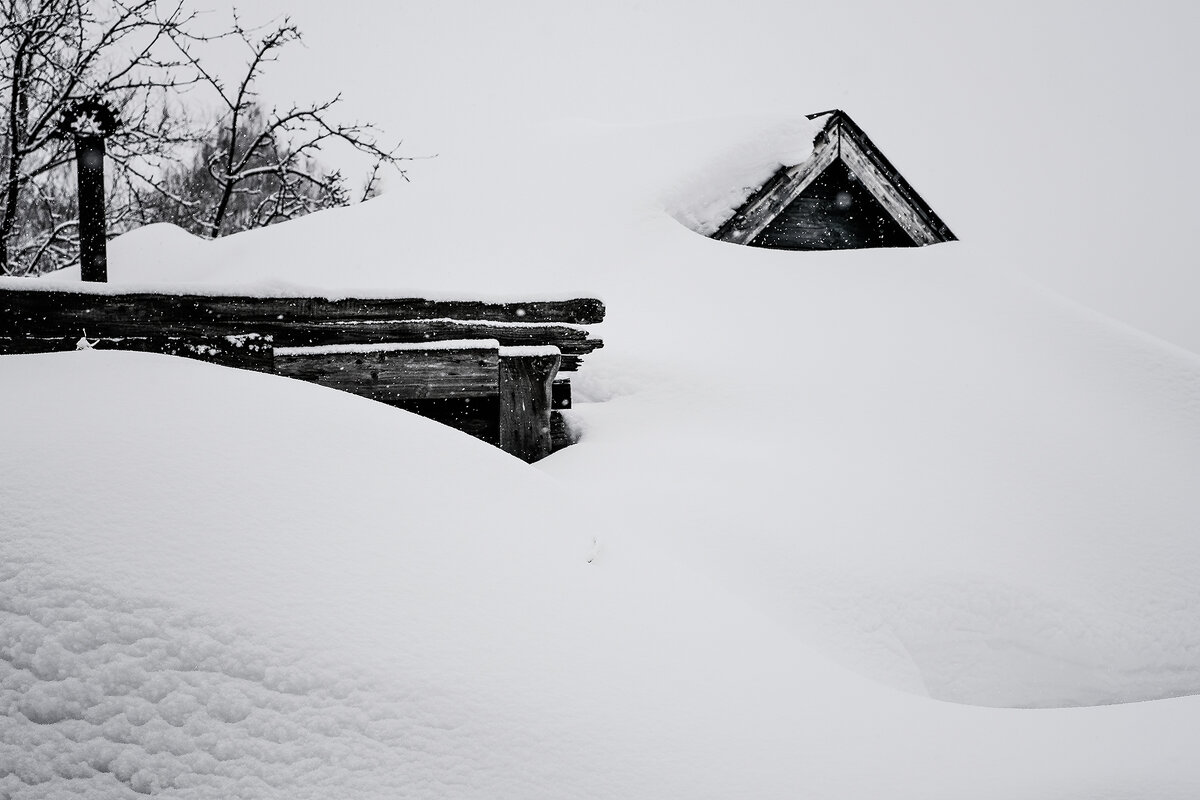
[950,482]
[223,584]
[962,485]
[979,492]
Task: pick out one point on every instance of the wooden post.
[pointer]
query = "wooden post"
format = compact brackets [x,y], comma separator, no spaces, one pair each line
[93,245]
[526,377]
[88,121]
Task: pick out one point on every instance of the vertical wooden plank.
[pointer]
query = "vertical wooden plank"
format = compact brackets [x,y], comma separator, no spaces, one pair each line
[526,377]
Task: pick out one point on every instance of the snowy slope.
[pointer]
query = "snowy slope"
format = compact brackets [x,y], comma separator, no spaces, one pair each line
[817,495]
[306,623]
[992,489]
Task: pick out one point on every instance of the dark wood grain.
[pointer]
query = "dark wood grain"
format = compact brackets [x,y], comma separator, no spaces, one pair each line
[571,341]
[836,212]
[42,312]
[561,434]
[525,405]
[392,376]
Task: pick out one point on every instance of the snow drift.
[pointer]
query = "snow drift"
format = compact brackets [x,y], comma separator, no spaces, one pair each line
[816,494]
[317,618]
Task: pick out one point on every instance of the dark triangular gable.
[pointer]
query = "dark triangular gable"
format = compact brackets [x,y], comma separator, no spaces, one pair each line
[835,212]
[845,195]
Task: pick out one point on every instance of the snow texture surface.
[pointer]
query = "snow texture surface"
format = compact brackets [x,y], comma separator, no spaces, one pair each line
[841,525]
[226,584]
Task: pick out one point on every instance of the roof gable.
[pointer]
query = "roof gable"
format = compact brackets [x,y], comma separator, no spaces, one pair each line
[792,200]
[835,212]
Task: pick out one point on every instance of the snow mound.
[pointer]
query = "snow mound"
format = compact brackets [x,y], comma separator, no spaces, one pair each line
[806,481]
[934,448]
[959,484]
[152,241]
[223,584]
[717,172]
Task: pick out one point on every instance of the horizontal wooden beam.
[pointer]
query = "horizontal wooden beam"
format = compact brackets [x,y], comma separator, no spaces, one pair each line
[41,311]
[302,333]
[397,373]
[570,340]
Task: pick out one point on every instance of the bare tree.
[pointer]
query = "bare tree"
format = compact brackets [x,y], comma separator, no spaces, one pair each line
[263,164]
[251,166]
[56,51]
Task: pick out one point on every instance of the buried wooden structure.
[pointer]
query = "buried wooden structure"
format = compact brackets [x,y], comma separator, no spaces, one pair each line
[490,369]
[845,195]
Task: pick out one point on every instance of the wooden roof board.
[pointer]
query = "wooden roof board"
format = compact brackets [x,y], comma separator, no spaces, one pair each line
[840,138]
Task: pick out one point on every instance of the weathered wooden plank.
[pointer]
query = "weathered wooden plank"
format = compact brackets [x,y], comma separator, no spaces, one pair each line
[400,372]
[526,377]
[247,351]
[352,331]
[569,340]
[890,187]
[884,191]
[38,311]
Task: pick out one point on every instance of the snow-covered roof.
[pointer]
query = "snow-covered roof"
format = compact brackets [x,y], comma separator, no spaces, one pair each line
[888,197]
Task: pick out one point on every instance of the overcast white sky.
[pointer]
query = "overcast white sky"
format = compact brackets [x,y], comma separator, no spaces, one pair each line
[1061,133]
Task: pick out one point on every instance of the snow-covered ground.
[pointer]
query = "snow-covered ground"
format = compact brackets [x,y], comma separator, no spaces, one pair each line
[887,523]
[817,497]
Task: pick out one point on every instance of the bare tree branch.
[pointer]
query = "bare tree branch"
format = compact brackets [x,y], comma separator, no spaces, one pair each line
[276,151]
[251,165]
[53,52]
